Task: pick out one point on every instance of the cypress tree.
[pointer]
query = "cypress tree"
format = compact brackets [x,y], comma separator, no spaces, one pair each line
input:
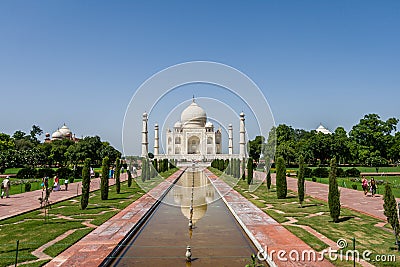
[129,178]
[155,163]
[300,181]
[243,169]
[117,174]
[143,175]
[269,180]
[250,170]
[334,195]
[281,184]
[104,178]
[85,184]
[390,209]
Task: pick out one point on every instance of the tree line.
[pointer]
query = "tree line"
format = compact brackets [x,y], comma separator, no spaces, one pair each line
[371,142]
[25,150]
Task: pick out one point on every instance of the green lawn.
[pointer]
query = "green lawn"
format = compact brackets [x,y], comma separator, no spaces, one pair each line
[33,231]
[18,185]
[353,224]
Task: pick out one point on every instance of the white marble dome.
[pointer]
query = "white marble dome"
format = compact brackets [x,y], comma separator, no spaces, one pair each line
[65,131]
[193,116]
[57,135]
[178,124]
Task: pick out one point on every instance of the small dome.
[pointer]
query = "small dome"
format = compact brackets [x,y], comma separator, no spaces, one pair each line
[57,135]
[65,131]
[178,124]
[193,116]
[322,129]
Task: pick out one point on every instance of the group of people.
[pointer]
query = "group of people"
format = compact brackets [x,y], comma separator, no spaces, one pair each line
[369,186]
[56,184]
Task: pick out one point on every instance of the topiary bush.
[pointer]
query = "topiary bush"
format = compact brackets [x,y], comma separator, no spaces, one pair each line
[353,172]
[340,172]
[28,187]
[45,172]
[314,179]
[307,172]
[26,173]
[71,179]
[320,172]
[354,186]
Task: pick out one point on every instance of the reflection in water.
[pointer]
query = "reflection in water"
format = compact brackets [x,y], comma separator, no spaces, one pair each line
[195,183]
[215,240]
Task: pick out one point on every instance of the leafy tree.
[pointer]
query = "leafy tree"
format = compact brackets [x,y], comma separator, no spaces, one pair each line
[104,178]
[250,170]
[281,183]
[107,150]
[334,194]
[117,175]
[373,134]
[6,142]
[300,181]
[34,132]
[256,147]
[85,184]
[341,145]
[390,209]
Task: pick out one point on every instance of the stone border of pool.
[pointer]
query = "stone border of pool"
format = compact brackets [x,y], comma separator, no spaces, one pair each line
[95,248]
[262,230]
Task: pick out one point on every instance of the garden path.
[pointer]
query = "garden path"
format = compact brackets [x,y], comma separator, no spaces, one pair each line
[28,201]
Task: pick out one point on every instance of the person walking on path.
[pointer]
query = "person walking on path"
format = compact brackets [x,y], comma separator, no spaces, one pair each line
[364,184]
[5,187]
[373,186]
[66,184]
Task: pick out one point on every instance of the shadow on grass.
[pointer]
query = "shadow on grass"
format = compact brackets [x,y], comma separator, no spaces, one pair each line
[311,205]
[346,218]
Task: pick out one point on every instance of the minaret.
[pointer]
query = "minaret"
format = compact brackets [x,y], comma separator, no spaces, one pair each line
[156,144]
[230,135]
[144,136]
[242,137]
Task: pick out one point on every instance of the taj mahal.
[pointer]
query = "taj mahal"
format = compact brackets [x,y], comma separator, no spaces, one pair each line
[193,137]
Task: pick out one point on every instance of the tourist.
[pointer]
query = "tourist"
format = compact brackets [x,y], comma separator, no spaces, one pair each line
[373,186]
[56,186]
[91,172]
[111,173]
[364,184]
[66,184]
[46,183]
[5,187]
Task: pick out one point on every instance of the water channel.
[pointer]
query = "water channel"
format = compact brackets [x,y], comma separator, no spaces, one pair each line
[216,239]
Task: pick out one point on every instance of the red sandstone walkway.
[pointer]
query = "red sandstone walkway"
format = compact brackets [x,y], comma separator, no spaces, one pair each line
[349,198]
[97,245]
[24,202]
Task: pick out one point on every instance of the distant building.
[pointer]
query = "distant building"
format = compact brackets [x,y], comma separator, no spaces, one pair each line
[62,133]
[322,129]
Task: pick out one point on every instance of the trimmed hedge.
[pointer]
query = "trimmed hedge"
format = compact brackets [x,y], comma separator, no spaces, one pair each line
[321,172]
[45,172]
[64,173]
[353,172]
[26,173]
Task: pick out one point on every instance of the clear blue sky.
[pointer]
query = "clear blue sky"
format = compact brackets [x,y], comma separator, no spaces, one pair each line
[79,62]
